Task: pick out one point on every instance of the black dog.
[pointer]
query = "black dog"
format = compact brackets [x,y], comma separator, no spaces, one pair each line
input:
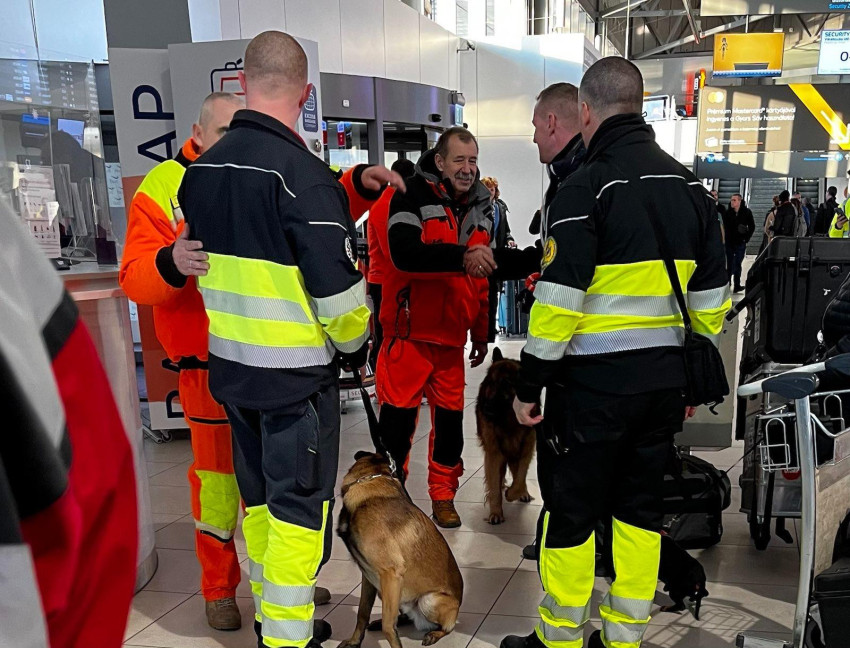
[683,577]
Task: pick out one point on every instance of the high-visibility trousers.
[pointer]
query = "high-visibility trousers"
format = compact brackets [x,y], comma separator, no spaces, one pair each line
[214,492]
[407,370]
[614,450]
[286,463]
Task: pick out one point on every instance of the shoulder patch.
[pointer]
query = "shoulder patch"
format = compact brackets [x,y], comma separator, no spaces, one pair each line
[348,251]
[550,249]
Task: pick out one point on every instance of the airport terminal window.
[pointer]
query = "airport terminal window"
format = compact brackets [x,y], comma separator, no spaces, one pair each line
[347,143]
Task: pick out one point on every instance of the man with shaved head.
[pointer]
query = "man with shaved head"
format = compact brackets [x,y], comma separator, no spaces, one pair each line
[286,304]
[605,339]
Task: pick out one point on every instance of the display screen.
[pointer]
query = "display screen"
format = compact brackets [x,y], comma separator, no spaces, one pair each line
[769,7]
[748,55]
[655,109]
[59,84]
[794,117]
[834,55]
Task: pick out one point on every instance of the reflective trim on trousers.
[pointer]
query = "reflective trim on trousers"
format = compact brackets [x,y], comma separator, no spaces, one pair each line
[703,300]
[255,576]
[639,306]
[277,632]
[559,296]
[545,349]
[625,340]
[559,634]
[622,632]
[637,609]
[557,614]
[266,308]
[270,357]
[288,596]
[225,535]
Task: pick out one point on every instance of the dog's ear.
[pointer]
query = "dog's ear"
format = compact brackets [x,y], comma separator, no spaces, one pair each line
[497,354]
[362,453]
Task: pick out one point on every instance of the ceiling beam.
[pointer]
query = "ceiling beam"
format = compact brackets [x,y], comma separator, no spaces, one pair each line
[738,22]
[691,20]
[620,8]
[652,13]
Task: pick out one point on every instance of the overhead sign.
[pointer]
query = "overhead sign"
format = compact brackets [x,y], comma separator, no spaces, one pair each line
[834,52]
[795,117]
[769,7]
[748,55]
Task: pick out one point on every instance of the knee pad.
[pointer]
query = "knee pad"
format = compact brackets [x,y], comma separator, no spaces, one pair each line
[397,426]
[448,436]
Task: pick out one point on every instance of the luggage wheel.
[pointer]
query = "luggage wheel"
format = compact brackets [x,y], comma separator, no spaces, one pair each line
[760,532]
[812,637]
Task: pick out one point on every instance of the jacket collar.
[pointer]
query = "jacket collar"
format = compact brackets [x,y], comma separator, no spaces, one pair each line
[188,153]
[426,168]
[619,131]
[246,118]
[568,160]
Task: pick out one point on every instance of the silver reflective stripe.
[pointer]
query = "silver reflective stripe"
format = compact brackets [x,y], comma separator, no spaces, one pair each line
[563,633]
[287,630]
[266,308]
[597,304]
[342,303]
[255,571]
[352,345]
[404,217]
[623,633]
[287,595]
[708,299]
[553,294]
[222,534]
[637,609]
[576,615]
[432,211]
[545,349]
[268,357]
[625,340]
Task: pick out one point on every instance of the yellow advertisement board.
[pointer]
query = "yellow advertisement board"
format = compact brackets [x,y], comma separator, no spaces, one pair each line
[748,55]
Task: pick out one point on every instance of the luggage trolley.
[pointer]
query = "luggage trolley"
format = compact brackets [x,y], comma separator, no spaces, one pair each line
[798,385]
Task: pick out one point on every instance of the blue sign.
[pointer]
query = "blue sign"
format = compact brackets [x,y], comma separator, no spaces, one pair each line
[310,113]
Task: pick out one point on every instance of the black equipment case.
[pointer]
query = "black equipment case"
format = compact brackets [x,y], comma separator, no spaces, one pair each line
[832,592]
[788,289]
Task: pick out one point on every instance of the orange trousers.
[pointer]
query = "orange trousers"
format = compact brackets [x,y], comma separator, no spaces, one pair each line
[215,495]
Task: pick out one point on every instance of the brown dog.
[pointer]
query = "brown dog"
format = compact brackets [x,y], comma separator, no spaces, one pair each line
[401,554]
[506,443]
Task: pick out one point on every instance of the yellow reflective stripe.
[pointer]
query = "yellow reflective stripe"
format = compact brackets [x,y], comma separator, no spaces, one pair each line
[255,576]
[559,637]
[348,332]
[341,303]
[255,355]
[288,633]
[606,323]
[219,498]
[563,297]
[288,596]
[161,185]
[712,299]
[255,278]
[636,555]
[626,340]
[567,574]
[545,349]
[267,333]
[255,528]
[644,278]
[631,305]
[551,323]
[270,308]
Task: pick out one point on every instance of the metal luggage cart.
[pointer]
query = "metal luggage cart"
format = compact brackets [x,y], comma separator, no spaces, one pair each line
[350,392]
[798,386]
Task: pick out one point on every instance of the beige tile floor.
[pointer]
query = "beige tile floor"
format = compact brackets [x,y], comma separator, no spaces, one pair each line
[750,590]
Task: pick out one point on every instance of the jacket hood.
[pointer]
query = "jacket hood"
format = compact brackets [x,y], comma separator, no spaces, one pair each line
[568,160]
[426,168]
[619,131]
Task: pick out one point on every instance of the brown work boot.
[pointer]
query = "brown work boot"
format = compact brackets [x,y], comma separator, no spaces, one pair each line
[223,614]
[444,514]
[321,596]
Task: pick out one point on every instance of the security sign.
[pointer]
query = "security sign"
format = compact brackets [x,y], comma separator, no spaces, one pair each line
[226,79]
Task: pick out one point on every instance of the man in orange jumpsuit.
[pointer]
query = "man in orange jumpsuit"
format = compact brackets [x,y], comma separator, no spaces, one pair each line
[435,293]
[158,269]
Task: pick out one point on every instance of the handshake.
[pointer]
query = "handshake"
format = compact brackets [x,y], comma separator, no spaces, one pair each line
[478,261]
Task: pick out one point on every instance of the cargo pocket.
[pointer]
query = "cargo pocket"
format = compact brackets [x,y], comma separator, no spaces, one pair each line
[308,469]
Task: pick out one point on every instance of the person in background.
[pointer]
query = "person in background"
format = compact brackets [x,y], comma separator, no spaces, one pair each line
[785,217]
[739,225]
[840,227]
[769,219]
[502,238]
[68,511]
[825,213]
[802,207]
[721,211]
[378,255]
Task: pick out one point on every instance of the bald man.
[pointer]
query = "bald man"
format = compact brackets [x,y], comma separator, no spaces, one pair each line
[285,301]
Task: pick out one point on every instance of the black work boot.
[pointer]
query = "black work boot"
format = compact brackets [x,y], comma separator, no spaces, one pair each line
[515,641]
[530,552]
[595,640]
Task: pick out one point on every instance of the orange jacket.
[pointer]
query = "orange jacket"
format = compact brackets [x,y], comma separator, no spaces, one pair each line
[379,257]
[148,274]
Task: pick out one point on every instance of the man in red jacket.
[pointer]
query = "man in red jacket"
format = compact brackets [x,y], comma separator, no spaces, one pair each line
[434,294]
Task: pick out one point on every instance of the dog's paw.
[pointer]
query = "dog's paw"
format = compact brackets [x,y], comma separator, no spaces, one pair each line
[513,495]
[496,518]
[432,637]
[348,643]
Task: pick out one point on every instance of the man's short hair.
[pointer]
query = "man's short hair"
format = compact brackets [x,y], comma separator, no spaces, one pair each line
[612,86]
[276,62]
[210,99]
[455,131]
[832,191]
[784,196]
[739,196]
[560,99]
[404,167]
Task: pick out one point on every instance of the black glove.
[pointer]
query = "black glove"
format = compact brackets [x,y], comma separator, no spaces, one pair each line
[356,360]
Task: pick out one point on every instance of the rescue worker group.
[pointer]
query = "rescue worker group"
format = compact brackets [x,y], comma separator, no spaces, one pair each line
[245,247]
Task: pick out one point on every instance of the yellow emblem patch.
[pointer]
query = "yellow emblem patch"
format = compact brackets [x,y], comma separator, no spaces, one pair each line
[550,249]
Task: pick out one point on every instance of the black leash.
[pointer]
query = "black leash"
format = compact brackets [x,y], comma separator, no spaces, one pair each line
[375,431]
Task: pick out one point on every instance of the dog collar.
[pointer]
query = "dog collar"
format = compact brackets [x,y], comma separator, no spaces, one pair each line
[371,477]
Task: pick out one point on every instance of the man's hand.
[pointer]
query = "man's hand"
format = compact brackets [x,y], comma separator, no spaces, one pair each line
[527,413]
[188,256]
[512,244]
[690,412]
[478,353]
[376,178]
[478,261]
